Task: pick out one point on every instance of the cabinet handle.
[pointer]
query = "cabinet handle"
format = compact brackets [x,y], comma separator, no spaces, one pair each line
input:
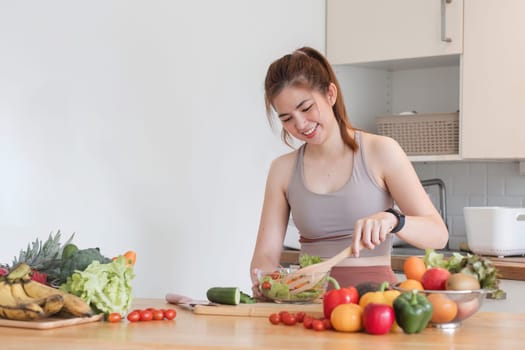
[444,21]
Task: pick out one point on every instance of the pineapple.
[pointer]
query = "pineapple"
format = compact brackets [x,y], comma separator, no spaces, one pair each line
[44,257]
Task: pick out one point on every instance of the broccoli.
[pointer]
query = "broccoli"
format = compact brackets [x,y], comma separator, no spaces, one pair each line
[79,260]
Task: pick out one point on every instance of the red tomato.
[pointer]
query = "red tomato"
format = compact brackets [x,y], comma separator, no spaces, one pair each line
[307,322]
[134,316]
[158,314]
[327,323]
[289,319]
[170,314]
[274,318]
[318,325]
[114,317]
[282,313]
[276,275]
[146,315]
[300,316]
[266,285]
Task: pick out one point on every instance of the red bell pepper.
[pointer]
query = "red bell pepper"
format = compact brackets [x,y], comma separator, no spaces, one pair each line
[338,296]
[378,318]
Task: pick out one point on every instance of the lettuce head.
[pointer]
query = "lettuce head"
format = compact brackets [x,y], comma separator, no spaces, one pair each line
[106,287]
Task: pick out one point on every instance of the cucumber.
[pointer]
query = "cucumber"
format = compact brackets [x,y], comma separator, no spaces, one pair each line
[224,295]
[246,298]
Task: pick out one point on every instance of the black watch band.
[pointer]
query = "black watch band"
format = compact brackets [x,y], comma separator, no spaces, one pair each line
[400,219]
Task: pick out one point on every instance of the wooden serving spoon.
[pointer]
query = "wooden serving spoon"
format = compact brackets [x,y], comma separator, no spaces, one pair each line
[309,276]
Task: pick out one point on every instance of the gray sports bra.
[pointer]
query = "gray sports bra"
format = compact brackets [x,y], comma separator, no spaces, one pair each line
[326,221]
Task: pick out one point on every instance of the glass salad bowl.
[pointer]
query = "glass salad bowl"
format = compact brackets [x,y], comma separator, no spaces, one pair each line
[274,287]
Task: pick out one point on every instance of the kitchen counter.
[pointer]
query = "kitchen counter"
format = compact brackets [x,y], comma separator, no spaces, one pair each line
[510,268]
[189,331]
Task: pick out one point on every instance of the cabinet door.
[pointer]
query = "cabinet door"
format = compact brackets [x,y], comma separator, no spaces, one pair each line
[493,80]
[378,30]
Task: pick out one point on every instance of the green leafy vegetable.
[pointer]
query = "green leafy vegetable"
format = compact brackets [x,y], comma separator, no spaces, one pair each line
[106,287]
[78,261]
[305,260]
[475,265]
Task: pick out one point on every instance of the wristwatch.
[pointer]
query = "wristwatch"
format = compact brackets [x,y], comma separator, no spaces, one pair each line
[400,219]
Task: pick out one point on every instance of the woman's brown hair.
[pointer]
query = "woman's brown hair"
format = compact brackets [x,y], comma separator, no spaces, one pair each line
[306,67]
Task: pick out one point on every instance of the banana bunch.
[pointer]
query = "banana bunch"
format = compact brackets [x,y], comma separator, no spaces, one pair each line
[25,300]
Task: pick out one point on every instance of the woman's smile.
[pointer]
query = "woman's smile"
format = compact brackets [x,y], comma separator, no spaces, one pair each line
[310,133]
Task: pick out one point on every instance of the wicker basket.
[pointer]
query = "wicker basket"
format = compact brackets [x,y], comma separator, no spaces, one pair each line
[422,134]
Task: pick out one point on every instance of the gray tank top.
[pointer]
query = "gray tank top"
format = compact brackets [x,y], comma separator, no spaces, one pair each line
[326,221]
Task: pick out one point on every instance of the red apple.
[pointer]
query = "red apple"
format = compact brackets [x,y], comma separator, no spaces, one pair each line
[435,278]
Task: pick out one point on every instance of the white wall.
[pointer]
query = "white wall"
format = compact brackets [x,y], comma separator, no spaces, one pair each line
[140,125]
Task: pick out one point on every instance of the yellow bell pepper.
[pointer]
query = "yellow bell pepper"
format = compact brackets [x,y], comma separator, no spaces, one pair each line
[382,296]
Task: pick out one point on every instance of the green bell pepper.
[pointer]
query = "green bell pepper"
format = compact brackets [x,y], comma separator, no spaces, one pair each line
[413,311]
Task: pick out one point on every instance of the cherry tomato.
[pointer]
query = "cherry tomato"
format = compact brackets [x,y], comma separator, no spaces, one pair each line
[275,275]
[289,319]
[170,314]
[283,312]
[158,314]
[300,316]
[114,317]
[327,323]
[134,316]
[146,315]
[266,285]
[274,319]
[318,325]
[307,322]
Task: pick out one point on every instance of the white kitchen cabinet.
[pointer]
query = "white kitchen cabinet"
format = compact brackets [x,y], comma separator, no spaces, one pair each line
[493,80]
[380,30]
[483,77]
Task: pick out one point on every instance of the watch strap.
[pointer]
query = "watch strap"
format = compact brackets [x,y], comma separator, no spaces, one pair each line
[400,219]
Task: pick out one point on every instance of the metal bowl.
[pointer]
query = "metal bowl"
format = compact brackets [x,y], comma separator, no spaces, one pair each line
[468,303]
[272,285]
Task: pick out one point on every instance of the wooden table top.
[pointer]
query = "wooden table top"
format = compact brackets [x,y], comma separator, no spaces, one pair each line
[189,331]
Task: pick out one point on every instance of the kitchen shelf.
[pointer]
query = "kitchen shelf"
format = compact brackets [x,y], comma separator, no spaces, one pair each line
[435,158]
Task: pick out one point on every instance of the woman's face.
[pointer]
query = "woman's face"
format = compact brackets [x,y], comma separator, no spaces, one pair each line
[305,114]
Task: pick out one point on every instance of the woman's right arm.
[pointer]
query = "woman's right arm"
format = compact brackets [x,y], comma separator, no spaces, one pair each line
[274,219]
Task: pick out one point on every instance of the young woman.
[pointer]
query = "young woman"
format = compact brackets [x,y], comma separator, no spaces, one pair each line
[341,184]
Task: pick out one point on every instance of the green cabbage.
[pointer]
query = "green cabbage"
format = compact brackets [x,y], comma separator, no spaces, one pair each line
[106,287]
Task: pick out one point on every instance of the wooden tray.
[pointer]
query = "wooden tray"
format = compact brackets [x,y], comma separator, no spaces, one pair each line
[257,309]
[50,323]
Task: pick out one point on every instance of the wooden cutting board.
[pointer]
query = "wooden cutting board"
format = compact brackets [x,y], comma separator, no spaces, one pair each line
[51,322]
[258,309]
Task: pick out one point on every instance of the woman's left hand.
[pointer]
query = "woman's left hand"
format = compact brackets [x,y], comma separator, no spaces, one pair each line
[372,230]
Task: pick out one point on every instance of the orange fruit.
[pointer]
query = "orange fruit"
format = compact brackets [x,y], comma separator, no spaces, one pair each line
[347,318]
[414,267]
[443,309]
[411,284]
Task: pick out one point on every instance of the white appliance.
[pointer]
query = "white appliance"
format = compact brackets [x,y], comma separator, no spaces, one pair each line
[496,231]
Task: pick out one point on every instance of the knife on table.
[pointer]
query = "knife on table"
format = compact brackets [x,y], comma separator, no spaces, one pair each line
[178,299]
